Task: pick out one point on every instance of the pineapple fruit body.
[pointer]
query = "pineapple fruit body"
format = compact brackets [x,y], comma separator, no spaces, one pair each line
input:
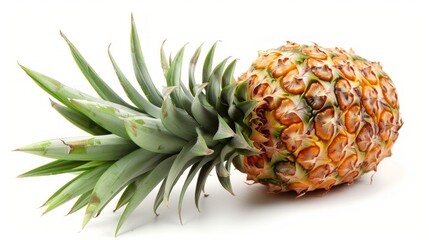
[323,117]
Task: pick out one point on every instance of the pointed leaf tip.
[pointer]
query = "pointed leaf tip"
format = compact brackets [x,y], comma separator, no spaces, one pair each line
[53,104]
[90,210]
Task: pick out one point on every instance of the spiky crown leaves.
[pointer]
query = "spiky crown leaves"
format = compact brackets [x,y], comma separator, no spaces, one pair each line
[137,147]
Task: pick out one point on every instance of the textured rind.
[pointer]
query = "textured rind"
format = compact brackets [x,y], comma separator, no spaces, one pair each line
[324,117]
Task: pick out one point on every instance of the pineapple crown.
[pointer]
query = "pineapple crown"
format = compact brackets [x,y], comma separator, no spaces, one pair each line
[149,142]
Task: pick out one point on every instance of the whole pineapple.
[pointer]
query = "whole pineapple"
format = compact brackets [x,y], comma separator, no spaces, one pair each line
[301,118]
[323,117]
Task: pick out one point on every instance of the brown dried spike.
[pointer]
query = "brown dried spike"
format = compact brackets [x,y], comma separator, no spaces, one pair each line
[343,93]
[369,75]
[293,83]
[316,95]
[254,166]
[261,90]
[385,124]
[367,72]
[324,124]
[350,177]
[319,174]
[364,138]
[298,187]
[369,100]
[389,92]
[338,52]
[264,59]
[352,119]
[371,159]
[327,184]
[257,161]
[290,136]
[285,113]
[281,67]
[290,46]
[320,69]
[343,65]
[315,52]
[336,149]
[348,71]
[307,157]
[347,166]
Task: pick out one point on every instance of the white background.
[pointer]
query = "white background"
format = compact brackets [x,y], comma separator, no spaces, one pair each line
[392,32]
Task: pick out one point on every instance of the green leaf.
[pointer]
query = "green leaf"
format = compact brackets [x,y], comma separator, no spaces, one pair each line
[133,94]
[230,160]
[247,107]
[81,202]
[201,181]
[108,115]
[241,142]
[128,192]
[159,197]
[140,69]
[144,187]
[204,114]
[79,185]
[118,176]
[223,130]
[79,120]
[190,150]
[226,101]
[208,62]
[177,120]
[93,148]
[242,91]
[56,89]
[238,163]
[221,171]
[179,97]
[191,72]
[151,134]
[165,64]
[200,147]
[227,94]
[54,167]
[88,165]
[192,173]
[99,85]
[214,86]
[224,178]
[228,74]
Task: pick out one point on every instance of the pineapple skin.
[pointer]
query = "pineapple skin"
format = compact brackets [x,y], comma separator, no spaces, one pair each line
[323,117]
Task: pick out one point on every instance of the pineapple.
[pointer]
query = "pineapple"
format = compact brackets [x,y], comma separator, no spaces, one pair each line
[301,118]
[322,117]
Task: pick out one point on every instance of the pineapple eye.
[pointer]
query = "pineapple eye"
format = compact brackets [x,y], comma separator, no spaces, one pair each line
[320,69]
[285,170]
[370,100]
[307,157]
[324,124]
[316,96]
[293,83]
[343,93]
